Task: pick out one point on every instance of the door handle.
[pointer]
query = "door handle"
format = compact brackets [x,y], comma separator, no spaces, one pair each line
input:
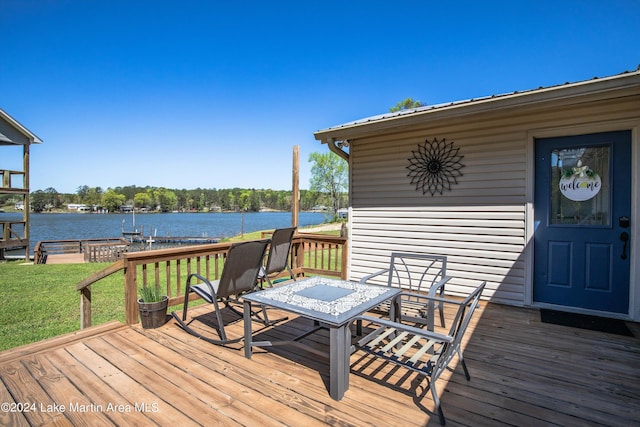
[624,236]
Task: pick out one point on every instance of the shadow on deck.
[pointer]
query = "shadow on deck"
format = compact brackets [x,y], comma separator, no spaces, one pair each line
[523,372]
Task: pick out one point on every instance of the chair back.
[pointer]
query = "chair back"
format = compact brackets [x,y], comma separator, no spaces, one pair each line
[241,268]
[279,250]
[416,271]
[458,328]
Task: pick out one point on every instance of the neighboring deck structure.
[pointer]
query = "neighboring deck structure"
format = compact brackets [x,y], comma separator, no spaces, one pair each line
[80,250]
[15,183]
[524,373]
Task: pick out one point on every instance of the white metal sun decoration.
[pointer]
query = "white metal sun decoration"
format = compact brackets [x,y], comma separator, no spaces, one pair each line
[435,166]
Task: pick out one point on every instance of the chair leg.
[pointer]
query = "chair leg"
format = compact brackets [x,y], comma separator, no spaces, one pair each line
[184,326]
[220,328]
[293,276]
[270,284]
[436,400]
[187,291]
[464,366]
[443,421]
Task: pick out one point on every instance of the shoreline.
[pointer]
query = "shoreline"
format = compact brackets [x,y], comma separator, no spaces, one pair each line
[333,226]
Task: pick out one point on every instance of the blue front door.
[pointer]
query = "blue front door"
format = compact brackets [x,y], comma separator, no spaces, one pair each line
[582,210]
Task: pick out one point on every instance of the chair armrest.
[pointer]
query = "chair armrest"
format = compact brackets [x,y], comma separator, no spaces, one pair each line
[430,302]
[197,276]
[366,278]
[211,296]
[428,298]
[437,286]
[405,328]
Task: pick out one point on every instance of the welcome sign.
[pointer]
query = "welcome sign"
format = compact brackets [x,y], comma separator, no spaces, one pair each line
[580,183]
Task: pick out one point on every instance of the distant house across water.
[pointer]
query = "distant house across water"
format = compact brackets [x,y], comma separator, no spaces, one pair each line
[78,207]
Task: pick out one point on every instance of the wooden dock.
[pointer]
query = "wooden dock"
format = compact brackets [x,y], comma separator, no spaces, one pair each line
[65,259]
[524,373]
[135,237]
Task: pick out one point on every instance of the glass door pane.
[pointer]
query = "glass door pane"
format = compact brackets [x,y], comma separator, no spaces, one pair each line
[580,189]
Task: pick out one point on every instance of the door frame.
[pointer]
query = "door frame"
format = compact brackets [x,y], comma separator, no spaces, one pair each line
[634,246]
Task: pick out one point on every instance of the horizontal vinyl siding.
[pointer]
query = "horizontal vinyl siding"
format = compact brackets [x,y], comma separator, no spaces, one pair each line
[492,169]
[478,224]
[481,243]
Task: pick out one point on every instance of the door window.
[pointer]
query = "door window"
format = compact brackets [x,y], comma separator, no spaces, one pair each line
[580,186]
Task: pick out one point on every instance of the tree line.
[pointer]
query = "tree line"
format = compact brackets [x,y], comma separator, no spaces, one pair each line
[329,183]
[161,199]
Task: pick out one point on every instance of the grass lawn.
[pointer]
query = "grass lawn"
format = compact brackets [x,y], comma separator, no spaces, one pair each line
[41,301]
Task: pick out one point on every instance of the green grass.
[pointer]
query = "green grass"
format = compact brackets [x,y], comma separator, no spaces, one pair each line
[41,301]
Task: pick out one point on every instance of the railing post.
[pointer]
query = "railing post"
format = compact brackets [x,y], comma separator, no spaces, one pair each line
[298,259]
[85,307]
[345,260]
[130,293]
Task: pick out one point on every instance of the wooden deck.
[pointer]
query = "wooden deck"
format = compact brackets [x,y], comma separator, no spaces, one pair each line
[524,373]
[65,259]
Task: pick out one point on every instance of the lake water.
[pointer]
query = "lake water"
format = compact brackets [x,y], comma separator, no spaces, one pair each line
[60,226]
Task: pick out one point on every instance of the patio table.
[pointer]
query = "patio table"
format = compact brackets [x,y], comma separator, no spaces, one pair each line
[330,303]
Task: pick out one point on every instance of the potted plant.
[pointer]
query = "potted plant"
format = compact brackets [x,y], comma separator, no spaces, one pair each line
[152,306]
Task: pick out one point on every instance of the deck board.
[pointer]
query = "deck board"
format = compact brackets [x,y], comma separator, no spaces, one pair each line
[523,372]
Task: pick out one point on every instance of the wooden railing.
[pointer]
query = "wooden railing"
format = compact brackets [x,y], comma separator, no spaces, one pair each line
[168,269]
[320,255]
[6,181]
[105,251]
[12,234]
[94,250]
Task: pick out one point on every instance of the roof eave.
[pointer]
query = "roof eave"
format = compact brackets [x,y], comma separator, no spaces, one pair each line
[33,138]
[462,108]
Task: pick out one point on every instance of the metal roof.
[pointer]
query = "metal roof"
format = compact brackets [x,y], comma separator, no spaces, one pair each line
[472,101]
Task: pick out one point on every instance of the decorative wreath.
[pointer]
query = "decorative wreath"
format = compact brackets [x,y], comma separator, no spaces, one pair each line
[435,166]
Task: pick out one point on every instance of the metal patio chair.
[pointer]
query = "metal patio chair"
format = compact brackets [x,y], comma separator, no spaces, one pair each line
[415,273]
[239,276]
[278,257]
[418,349]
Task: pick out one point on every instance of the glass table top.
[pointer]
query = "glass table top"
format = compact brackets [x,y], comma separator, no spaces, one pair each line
[327,300]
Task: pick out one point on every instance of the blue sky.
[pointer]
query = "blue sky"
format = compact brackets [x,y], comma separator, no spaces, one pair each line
[215,94]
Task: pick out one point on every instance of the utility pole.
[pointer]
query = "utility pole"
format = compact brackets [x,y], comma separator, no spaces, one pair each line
[295,187]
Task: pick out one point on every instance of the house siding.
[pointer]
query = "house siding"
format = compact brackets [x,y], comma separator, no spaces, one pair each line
[481,224]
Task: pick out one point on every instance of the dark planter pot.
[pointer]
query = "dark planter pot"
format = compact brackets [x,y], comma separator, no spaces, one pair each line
[153,314]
